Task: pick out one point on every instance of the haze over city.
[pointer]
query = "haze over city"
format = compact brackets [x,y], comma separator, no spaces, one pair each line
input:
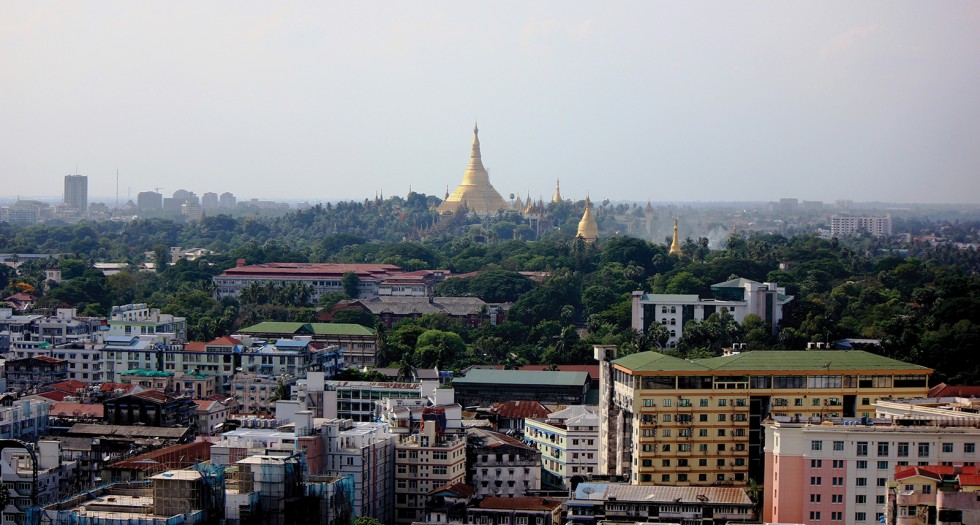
[871,101]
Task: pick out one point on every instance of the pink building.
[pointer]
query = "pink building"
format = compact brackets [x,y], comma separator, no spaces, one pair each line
[838,472]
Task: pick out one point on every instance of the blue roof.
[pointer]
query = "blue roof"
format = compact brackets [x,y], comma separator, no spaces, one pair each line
[290,343]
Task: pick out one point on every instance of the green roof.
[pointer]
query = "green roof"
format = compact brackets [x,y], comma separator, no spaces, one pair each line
[340,329]
[522,377]
[838,360]
[657,362]
[738,282]
[273,327]
[769,360]
[146,373]
[284,328]
[671,298]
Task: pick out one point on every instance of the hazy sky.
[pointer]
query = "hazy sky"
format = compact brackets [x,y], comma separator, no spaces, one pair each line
[670,101]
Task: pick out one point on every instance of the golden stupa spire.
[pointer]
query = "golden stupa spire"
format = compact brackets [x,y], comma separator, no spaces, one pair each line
[557,198]
[475,190]
[588,229]
[675,246]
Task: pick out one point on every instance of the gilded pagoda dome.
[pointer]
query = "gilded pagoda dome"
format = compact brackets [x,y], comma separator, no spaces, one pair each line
[588,229]
[475,190]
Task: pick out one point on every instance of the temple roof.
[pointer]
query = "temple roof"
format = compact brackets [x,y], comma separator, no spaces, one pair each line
[475,190]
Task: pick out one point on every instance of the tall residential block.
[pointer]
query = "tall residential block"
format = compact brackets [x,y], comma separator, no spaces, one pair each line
[76,192]
[671,421]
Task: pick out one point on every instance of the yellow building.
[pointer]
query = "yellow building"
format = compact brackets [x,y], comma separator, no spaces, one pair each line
[475,191]
[671,421]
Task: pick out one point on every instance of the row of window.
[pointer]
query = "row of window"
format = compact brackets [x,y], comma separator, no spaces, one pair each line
[839,516]
[686,447]
[902,449]
[681,478]
[684,462]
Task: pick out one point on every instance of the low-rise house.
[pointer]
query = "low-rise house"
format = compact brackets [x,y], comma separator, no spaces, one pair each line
[594,503]
[32,373]
[499,465]
[210,416]
[149,407]
[568,440]
[483,387]
[515,511]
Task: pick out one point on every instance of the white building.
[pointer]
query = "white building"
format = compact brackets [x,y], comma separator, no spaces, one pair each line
[842,226]
[738,297]
[141,320]
[424,462]
[365,451]
[54,478]
[569,444]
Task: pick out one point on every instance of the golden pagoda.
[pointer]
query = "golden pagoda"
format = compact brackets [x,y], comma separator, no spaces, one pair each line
[675,246]
[475,190]
[587,227]
[557,198]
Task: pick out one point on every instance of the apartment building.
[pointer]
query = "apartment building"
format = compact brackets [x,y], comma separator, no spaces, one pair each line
[567,440]
[737,297]
[500,465]
[843,226]
[424,462]
[673,421]
[322,278]
[365,451]
[840,470]
[141,320]
[594,503]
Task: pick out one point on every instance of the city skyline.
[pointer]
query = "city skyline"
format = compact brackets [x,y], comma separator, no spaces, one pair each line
[871,102]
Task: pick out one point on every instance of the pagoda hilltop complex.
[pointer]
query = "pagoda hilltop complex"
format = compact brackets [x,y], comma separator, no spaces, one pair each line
[475,191]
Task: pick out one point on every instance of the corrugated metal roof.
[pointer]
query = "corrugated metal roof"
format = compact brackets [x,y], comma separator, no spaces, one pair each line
[655,362]
[661,493]
[815,360]
[522,377]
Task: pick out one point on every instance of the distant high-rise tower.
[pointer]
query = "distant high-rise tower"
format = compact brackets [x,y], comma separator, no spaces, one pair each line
[76,192]
[149,201]
[209,200]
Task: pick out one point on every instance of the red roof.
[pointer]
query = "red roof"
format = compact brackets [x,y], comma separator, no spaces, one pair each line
[77,409]
[168,458]
[48,359]
[944,390]
[494,502]
[112,387]
[520,409]
[970,479]
[206,404]
[460,489]
[22,297]
[153,395]
[54,395]
[71,386]
[225,341]
[313,270]
[195,346]
[936,472]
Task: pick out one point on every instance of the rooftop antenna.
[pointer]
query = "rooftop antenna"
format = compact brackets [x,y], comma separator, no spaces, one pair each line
[117,188]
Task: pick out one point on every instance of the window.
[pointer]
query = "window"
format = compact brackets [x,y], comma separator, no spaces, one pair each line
[882,449]
[814,480]
[722,402]
[861,482]
[923,450]
[816,463]
[665,462]
[903,450]
[882,465]
[814,498]
[862,448]
[947,448]
[838,463]
[665,478]
[667,402]
[814,514]
[926,489]
[816,445]
[838,445]
[703,402]
[969,448]
[860,516]
[666,418]
[881,482]
[861,464]
[860,498]
[837,498]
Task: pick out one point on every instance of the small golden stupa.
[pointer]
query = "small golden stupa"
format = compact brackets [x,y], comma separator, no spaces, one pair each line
[587,227]
[675,246]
